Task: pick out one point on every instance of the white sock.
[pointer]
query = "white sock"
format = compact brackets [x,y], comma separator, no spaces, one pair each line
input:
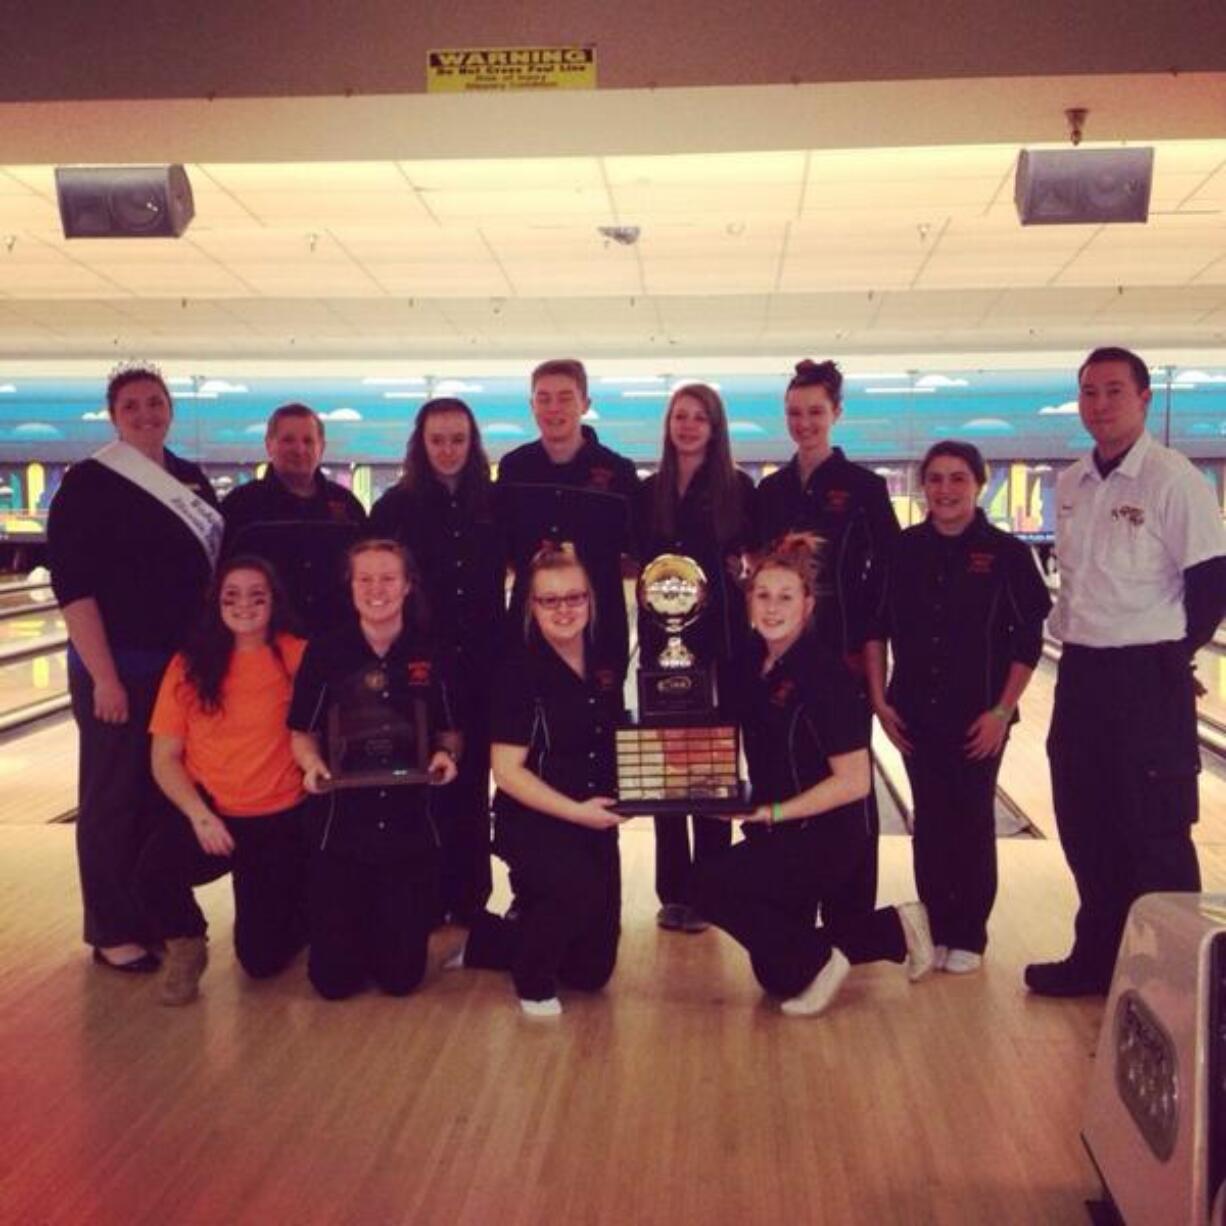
[541,1008]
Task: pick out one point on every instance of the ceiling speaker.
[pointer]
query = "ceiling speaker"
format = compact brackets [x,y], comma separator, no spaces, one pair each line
[1068,187]
[124,201]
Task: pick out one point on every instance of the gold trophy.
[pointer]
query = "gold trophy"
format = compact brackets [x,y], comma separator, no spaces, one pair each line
[678,757]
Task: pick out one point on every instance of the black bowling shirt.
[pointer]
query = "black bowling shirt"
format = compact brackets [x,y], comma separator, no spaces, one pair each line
[109,539]
[461,556]
[849,509]
[805,711]
[589,501]
[958,611]
[723,627]
[567,723]
[304,538]
[371,823]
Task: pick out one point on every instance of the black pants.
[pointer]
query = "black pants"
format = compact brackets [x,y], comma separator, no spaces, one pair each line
[857,894]
[954,846]
[268,874]
[370,921]
[568,890]
[462,816]
[1124,760]
[673,858]
[118,803]
[764,892]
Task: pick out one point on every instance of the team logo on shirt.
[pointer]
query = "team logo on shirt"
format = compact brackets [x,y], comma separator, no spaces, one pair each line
[1128,514]
[419,672]
[600,478]
[375,679]
[980,562]
[837,500]
[782,693]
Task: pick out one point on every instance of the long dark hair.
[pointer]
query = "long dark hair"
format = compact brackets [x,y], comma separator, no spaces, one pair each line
[210,646]
[726,510]
[474,484]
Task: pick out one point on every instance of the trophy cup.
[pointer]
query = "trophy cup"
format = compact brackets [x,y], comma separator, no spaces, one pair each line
[372,742]
[679,757]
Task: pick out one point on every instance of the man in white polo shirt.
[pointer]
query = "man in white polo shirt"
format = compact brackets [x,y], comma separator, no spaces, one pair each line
[1142,580]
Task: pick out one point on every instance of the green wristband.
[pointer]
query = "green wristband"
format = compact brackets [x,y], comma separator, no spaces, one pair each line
[1002,712]
[776,812]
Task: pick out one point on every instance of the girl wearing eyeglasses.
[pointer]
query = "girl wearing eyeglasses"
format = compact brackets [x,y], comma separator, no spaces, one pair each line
[699,504]
[556,705]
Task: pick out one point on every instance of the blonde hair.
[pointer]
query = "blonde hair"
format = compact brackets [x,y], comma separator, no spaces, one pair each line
[557,555]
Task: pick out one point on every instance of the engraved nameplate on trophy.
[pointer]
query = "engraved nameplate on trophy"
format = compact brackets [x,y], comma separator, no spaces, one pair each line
[680,756]
[371,741]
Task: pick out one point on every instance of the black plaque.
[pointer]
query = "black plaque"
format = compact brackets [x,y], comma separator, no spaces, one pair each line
[373,742]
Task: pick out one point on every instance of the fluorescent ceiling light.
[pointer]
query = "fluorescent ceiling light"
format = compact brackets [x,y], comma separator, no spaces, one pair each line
[454,387]
[939,381]
[1058,410]
[404,395]
[220,386]
[196,396]
[7,389]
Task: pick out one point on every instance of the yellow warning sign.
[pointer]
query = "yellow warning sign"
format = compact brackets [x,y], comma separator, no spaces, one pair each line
[462,69]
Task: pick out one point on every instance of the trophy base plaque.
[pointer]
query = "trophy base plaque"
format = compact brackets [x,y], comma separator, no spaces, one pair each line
[372,746]
[690,769]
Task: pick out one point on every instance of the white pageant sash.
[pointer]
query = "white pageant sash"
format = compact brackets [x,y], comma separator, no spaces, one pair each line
[204,523]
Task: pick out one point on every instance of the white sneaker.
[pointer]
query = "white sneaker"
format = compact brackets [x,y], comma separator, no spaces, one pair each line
[817,996]
[921,955]
[541,1008]
[962,962]
[939,954]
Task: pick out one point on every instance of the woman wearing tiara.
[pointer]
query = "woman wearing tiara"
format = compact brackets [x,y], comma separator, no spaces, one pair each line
[556,705]
[698,504]
[133,536]
[848,509]
[809,836]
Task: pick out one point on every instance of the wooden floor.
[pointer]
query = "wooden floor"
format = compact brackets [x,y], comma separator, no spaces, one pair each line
[677,1096]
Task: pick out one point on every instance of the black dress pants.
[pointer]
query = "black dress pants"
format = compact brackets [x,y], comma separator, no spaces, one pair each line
[117,808]
[1124,760]
[370,920]
[268,875]
[462,817]
[954,844]
[568,891]
[673,857]
[764,892]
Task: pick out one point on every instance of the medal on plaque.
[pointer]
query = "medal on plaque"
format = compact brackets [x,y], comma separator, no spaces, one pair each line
[679,757]
[371,742]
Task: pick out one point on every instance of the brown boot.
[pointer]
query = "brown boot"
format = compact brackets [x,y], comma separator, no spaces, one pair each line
[184,963]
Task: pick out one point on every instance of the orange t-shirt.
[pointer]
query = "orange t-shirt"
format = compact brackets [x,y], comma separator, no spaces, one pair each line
[239,753]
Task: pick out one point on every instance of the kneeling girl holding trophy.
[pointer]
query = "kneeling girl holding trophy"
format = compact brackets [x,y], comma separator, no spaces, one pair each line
[807,748]
[556,707]
[372,726]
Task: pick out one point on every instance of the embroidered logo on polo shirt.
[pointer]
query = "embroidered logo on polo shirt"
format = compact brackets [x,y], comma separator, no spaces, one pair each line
[375,679]
[837,500]
[600,478]
[979,562]
[781,695]
[419,672]
[1128,514]
[605,678]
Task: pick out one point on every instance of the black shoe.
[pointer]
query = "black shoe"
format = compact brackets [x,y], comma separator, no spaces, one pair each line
[1067,978]
[146,964]
[672,916]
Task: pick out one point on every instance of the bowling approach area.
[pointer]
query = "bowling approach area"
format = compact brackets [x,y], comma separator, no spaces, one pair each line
[678,1095]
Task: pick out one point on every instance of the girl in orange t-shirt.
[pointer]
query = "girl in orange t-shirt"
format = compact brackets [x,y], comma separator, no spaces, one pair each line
[221,754]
